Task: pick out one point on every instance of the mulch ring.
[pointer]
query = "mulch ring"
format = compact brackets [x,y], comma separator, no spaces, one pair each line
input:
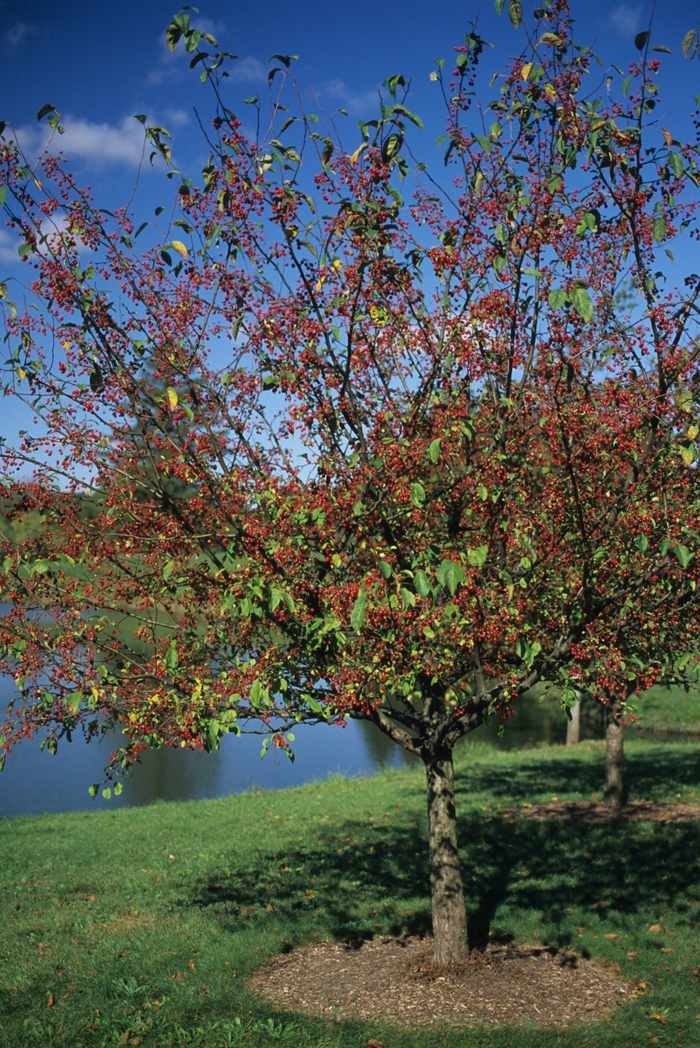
[633,811]
[394,980]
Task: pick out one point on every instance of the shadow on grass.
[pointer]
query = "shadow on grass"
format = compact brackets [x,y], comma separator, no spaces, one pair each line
[363,880]
[648,774]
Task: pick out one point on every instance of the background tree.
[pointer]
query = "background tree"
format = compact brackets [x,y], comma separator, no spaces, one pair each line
[364,446]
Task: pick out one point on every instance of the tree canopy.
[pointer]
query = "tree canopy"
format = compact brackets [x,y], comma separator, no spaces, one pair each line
[360,435]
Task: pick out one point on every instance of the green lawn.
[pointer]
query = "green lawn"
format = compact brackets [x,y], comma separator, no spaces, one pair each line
[669,710]
[140,926]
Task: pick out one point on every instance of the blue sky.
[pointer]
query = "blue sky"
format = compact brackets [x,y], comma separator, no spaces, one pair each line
[100,63]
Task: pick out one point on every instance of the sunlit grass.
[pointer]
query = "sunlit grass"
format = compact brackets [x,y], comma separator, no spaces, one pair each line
[139,926]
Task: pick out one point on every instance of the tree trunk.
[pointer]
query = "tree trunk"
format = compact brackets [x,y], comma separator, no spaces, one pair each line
[613,796]
[573,726]
[447,891]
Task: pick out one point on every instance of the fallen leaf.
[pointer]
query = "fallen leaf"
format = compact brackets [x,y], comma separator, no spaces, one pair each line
[91,898]
[178,977]
[667,949]
[611,935]
[660,1017]
[655,928]
[190,965]
[375,1044]
[51,1001]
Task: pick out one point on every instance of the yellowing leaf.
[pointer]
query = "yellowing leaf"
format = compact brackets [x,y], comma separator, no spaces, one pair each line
[668,137]
[180,248]
[526,70]
[693,432]
[550,92]
[337,265]
[688,455]
[21,373]
[171,398]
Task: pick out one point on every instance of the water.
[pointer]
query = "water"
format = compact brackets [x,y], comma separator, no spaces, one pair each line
[35,781]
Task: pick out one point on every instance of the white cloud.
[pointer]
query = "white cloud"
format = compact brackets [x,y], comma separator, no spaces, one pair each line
[99,145]
[363,104]
[176,118]
[627,19]
[17,32]
[248,70]
[52,226]
[8,247]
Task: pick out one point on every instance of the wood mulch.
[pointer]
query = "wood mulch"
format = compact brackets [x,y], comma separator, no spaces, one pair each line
[394,980]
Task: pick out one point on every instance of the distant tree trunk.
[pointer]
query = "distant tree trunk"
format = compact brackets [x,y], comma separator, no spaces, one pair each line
[573,726]
[613,796]
[447,891]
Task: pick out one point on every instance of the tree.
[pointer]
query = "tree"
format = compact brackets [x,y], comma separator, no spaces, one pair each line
[362,445]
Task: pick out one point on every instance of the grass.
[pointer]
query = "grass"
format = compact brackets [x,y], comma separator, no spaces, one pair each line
[139,926]
[669,710]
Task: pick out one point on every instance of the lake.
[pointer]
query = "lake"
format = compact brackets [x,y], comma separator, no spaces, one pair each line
[35,781]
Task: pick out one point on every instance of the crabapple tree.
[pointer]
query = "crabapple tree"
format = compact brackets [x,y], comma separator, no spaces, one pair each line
[355,436]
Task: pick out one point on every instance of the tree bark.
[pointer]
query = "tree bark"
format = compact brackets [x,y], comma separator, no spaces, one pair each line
[573,726]
[446,888]
[613,796]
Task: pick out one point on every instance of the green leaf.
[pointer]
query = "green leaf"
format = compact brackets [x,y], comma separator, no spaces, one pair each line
[3,195]
[422,583]
[450,574]
[688,41]
[359,610]
[683,399]
[45,110]
[482,492]
[625,86]
[434,450]
[385,568]
[93,791]
[582,303]
[515,12]
[477,557]
[106,793]
[557,298]
[499,263]
[418,495]
[409,599]
[500,4]
[641,39]
[664,50]
[683,555]
[23,250]
[642,543]
[659,228]
[676,162]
